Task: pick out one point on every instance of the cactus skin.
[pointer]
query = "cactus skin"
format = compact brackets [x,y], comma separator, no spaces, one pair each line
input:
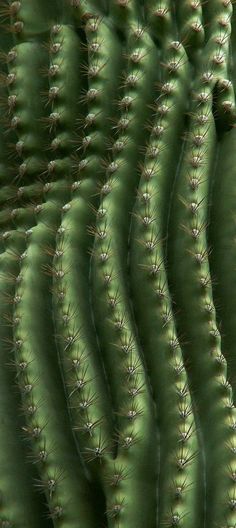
[155,320]
[18,504]
[189,250]
[222,241]
[117,246]
[130,394]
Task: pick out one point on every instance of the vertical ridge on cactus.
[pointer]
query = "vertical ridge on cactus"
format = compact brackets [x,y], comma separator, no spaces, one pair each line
[178,442]
[117,264]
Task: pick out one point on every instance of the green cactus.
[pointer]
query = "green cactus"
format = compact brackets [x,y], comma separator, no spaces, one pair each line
[117,264]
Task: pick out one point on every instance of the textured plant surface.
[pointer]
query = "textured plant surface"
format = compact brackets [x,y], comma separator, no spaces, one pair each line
[117,264]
